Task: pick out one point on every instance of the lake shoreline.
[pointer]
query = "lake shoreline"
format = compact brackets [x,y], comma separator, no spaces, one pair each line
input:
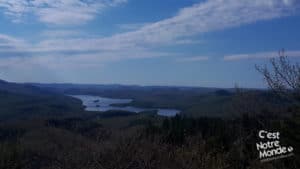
[102,104]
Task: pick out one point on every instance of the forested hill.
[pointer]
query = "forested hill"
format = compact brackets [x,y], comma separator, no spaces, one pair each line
[71,88]
[24,100]
[25,89]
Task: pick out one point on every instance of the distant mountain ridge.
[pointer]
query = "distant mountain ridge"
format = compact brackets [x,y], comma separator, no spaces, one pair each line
[19,100]
[18,88]
[67,87]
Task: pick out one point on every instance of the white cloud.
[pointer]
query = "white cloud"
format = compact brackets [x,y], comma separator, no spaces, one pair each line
[193,59]
[61,33]
[204,17]
[212,15]
[14,53]
[59,12]
[261,55]
[131,26]
[5,39]
[208,16]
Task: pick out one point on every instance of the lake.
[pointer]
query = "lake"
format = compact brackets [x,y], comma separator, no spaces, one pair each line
[97,103]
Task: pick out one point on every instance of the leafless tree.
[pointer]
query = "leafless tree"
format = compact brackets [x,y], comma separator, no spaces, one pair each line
[283,77]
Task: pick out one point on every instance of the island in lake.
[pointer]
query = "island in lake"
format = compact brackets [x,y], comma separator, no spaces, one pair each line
[102,104]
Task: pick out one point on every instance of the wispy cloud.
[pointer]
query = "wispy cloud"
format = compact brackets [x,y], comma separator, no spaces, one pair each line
[14,52]
[61,33]
[193,59]
[204,17]
[131,26]
[208,16]
[261,55]
[5,39]
[59,12]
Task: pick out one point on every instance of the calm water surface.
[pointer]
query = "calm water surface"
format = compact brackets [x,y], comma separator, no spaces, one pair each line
[96,103]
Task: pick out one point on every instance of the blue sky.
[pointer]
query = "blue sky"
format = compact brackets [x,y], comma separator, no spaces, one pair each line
[211,43]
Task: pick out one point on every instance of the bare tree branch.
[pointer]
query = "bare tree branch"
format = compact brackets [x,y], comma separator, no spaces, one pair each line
[283,77]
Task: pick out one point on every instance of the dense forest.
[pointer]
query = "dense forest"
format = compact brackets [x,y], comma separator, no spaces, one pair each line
[43,128]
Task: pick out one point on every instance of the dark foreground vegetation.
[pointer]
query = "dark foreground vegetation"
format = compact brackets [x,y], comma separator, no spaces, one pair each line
[123,140]
[143,141]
